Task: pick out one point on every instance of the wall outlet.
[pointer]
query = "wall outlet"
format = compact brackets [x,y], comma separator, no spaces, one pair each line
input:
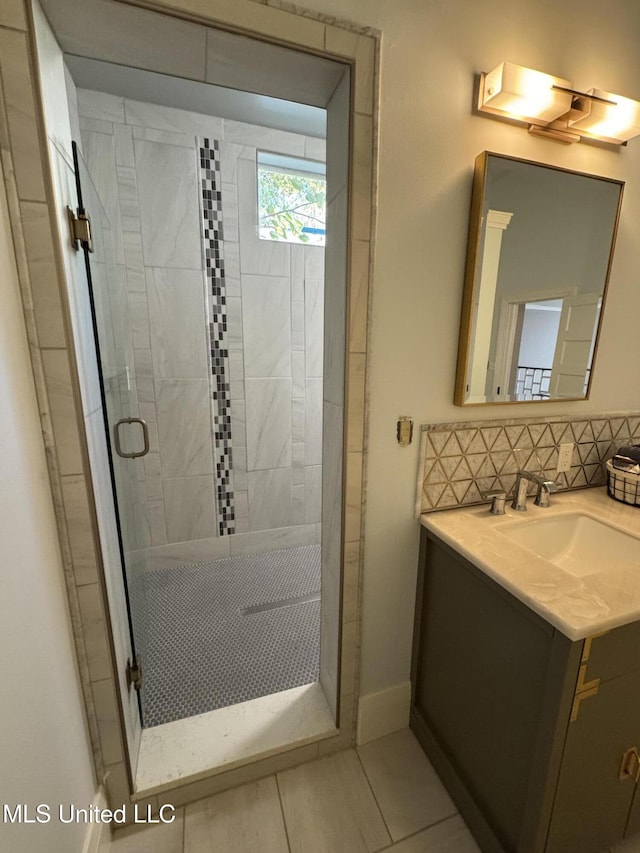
[565,455]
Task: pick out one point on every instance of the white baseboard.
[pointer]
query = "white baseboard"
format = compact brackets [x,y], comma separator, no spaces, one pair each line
[383,712]
[96,838]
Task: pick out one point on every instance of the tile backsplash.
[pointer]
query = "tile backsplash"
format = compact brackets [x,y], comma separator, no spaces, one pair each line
[461,461]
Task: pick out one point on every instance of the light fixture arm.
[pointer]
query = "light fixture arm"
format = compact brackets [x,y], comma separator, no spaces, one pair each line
[587,95]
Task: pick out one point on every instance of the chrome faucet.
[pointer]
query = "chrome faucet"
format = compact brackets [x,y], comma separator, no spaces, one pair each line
[545,487]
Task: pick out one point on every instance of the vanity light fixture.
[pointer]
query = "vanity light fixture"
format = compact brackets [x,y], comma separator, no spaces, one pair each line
[553,109]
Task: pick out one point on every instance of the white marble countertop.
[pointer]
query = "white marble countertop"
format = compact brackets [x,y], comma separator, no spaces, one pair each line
[578,606]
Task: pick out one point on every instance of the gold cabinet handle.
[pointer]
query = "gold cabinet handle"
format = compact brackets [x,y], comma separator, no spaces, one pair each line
[630,765]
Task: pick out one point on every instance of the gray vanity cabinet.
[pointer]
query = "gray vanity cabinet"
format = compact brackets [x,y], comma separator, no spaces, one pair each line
[526,728]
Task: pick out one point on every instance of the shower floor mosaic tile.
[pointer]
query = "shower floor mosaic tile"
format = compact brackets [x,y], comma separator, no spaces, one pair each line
[226,631]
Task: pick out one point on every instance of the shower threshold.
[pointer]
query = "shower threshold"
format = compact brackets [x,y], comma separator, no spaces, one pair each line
[197,748]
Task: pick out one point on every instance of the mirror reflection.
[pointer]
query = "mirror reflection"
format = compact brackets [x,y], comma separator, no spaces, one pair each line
[540,247]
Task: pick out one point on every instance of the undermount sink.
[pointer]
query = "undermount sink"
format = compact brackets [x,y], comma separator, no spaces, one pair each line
[576,543]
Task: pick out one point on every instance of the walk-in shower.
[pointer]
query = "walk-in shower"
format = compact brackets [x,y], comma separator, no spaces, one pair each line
[210,344]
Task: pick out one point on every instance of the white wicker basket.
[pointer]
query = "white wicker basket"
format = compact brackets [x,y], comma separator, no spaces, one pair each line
[623,486]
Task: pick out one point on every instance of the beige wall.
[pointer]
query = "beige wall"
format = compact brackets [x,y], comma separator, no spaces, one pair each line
[428,141]
[46,757]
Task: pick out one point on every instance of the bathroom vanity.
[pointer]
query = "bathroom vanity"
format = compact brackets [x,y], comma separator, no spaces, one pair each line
[526,671]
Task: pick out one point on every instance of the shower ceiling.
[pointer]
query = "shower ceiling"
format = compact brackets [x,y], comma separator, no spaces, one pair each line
[263,76]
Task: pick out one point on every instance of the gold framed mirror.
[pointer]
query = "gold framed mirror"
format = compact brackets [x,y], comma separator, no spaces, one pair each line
[540,249]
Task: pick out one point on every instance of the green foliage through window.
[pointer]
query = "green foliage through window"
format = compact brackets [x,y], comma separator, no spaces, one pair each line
[291,207]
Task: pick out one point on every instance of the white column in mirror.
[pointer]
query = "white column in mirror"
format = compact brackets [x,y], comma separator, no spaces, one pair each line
[497,223]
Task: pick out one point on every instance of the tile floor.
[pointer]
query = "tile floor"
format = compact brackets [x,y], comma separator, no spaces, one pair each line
[381,796]
[242,627]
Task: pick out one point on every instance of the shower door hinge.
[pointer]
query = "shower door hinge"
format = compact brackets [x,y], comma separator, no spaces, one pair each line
[80,226]
[134,673]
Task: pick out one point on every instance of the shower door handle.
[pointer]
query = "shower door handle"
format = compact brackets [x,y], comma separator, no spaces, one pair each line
[145,438]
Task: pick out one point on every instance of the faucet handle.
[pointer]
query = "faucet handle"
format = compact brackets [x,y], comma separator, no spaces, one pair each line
[498,498]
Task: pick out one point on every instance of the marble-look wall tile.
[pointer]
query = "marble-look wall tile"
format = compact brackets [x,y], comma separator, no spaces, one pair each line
[266,316]
[43,275]
[297,326]
[100,105]
[312,493]
[272,540]
[270,499]
[139,318]
[63,413]
[108,718]
[297,503]
[235,334]
[98,150]
[189,508]
[313,423]
[167,118]
[95,124]
[177,323]
[144,376]
[361,176]
[315,149]
[356,401]
[298,383]
[132,241]
[238,425]
[95,631]
[332,496]
[168,205]
[232,268]
[338,142]
[21,114]
[314,263]
[358,296]
[176,554]
[297,419]
[297,273]
[12,15]
[157,526]
[350,583]
[240,482]
[363,49]
[257,257]
[167,137]
[80,528]
[353,497]
[268,423]
[124,145]
[153,476]
[128,198]
[230,153]
[314,326]
[266,138]
[184,426]
[230,208]
[335,300]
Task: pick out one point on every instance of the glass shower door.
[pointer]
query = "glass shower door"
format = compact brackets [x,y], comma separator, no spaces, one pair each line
[126,434]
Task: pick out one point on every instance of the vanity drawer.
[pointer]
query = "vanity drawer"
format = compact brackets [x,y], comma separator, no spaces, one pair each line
[613,654]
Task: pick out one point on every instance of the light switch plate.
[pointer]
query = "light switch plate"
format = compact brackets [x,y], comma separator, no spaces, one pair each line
[565,456]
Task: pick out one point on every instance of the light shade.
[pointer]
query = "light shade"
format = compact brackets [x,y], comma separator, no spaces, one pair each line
[518,92]
[615,122]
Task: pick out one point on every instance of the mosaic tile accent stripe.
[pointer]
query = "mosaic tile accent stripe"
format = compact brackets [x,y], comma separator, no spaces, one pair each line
[212,236]
[459,462]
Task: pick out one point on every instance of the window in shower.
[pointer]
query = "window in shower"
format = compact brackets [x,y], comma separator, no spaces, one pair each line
[291,199]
